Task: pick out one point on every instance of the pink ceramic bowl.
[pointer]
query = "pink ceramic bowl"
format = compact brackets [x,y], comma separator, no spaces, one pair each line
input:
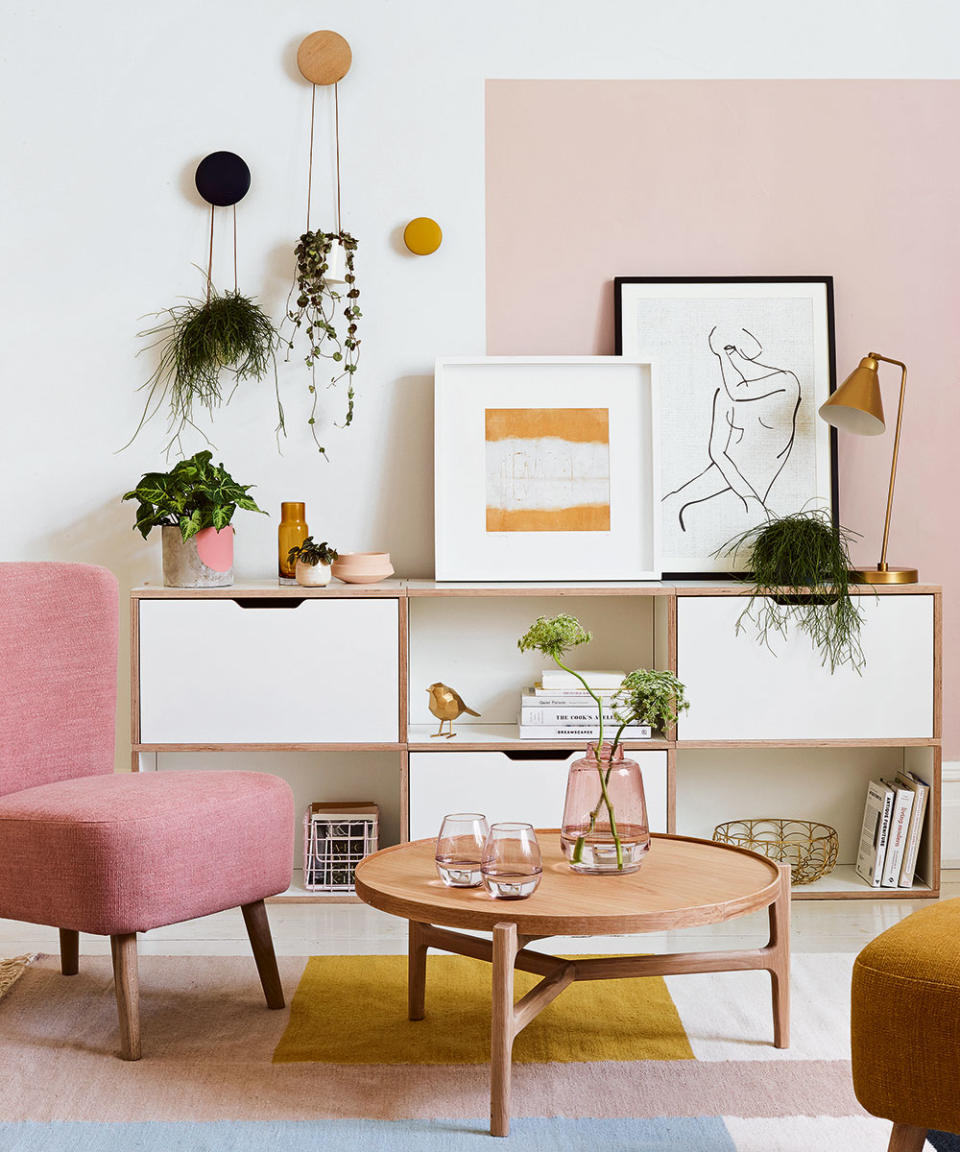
[363,567]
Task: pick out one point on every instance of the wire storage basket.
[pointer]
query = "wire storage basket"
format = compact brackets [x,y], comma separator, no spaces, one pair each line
[808,847]
[336,837]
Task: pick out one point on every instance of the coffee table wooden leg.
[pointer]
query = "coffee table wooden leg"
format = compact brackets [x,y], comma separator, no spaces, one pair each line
[416,971]
[505,948]
[780,968]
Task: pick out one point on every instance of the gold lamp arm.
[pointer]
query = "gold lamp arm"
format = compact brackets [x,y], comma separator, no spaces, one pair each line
[882,566]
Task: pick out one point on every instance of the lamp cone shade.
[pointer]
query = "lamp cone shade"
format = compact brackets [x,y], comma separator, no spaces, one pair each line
[856,405]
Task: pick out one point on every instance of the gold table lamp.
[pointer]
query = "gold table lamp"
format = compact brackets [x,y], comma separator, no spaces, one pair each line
[856,407]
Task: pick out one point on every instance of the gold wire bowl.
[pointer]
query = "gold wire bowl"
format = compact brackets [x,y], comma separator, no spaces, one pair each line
[808,847]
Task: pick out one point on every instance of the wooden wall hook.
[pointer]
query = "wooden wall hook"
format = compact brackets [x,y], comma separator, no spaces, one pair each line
[324,57]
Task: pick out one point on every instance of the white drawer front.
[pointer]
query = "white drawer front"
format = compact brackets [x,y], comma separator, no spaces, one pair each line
[215,672]
[506,789]
[740,690]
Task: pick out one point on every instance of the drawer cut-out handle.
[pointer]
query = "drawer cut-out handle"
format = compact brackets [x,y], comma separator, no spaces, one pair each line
[269,601]
[800,598]
[536,754]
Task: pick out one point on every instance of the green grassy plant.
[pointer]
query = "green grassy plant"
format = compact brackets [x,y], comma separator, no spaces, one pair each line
[800,571]
[202,343]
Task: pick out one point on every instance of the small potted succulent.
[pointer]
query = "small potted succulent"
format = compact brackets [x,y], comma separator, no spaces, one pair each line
[605,829]
[313,562]
[193,505]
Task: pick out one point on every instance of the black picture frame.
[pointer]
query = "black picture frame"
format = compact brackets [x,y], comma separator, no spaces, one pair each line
[627,343]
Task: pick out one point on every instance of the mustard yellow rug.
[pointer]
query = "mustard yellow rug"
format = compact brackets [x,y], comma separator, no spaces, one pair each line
[353,1010]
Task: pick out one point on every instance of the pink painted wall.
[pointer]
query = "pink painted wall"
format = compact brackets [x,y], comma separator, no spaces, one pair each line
[587,180]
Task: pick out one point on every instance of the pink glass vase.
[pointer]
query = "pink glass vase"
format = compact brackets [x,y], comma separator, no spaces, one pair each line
[593,839]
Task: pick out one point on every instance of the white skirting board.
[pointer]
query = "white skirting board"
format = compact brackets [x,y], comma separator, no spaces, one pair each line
[950,831]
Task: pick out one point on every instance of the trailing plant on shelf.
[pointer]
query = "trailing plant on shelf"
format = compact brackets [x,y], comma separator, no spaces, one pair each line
[646,696]
[310,553]
[800,572]
[195,494]
[205,349]
[318,312]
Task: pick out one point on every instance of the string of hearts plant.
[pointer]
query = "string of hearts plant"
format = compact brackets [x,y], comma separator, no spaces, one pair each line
[318,313]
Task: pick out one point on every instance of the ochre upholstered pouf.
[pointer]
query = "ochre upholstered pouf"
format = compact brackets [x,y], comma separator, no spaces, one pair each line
[905,1018]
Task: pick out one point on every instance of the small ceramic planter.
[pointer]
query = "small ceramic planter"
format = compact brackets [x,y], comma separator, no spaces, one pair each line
[203,561]
[313,575]
[336,264]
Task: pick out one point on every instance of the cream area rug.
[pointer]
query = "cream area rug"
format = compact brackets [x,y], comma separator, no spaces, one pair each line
[685,1063]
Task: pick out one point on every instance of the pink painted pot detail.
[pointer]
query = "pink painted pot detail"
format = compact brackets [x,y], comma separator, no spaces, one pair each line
[215,548]
[204,561]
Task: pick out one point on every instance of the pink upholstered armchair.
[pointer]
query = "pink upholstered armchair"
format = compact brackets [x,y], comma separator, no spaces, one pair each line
[87,850]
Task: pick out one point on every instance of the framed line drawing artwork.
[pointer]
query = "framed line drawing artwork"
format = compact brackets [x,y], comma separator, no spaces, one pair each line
[546,468]
[743,366]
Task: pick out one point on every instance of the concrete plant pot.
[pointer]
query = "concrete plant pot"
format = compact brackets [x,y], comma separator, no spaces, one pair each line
[203,561]
[313,575]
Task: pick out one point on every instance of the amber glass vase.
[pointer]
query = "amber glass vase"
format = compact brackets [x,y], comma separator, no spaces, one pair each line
[291,533]
[593,840]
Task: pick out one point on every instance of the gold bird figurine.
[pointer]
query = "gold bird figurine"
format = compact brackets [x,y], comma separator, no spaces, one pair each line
[446,705]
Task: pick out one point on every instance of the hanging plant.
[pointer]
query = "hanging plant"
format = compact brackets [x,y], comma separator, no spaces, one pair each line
[331,331]
[206,347]
[800,567]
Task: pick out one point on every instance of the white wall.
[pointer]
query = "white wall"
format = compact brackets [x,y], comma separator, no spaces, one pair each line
[108,106]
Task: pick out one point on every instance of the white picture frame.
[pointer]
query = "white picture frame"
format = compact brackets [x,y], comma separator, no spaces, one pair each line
[511,504]
[700,330]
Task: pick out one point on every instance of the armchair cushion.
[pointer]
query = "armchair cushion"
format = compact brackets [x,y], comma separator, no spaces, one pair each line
[125,853]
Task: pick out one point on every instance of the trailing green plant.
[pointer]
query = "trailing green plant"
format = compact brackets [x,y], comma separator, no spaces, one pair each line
[195,494]
[310,552]
[316,311]
[200,342]
[645,696]
[800,571]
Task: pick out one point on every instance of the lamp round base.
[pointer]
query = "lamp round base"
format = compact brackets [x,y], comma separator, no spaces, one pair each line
[888,575]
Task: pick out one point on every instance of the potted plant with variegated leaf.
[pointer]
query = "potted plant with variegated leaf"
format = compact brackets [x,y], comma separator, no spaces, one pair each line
[193,506]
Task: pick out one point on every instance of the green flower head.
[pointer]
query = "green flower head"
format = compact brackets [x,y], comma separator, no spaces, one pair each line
[553,635]
[649,696]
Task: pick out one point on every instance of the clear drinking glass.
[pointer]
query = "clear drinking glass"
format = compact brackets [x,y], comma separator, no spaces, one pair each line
[512,864]
[460,847]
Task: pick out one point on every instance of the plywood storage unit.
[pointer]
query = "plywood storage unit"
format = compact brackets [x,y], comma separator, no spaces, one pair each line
[341,674]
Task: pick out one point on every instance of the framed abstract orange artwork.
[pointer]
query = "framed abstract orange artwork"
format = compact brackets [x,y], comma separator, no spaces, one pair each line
[546,469]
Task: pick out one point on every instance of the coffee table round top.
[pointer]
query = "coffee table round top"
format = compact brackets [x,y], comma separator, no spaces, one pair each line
[682,882]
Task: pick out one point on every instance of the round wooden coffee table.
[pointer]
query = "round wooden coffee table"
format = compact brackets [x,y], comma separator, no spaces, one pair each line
[683,882]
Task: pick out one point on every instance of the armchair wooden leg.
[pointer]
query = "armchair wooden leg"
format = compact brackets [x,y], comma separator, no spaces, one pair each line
[127,984]
[69,952]
[258,929]
[906,1138]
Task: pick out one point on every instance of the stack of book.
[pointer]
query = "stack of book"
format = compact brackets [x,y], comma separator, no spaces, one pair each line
[892,826]
[560,708]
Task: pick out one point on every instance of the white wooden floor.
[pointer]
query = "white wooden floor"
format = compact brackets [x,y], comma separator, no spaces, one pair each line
[318,929]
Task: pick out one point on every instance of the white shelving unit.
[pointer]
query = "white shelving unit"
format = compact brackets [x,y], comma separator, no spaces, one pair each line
[329,686]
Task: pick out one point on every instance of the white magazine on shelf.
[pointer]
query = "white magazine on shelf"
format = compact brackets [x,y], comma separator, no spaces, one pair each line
[921,791]
[899,828]
[874,832]
[557,680]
